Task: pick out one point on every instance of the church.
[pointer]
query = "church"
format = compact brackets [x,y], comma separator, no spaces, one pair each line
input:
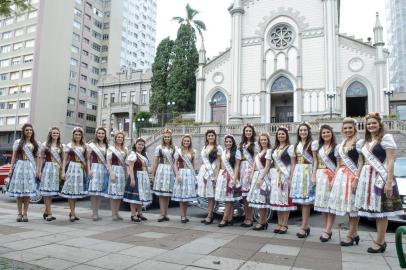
[289,63]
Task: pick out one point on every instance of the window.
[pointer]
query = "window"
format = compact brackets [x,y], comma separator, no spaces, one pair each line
[83,77]
[75,49]
[1,121]
[73,62]
[12,105]
[29,43]
[123,97]
[95,70]
[96,46]
[72,87]
[282,84]
[2,105]
[112,98]
[31,29]
[132,96]
[15,61]
[76,37]
[88,5]
[96,58]
[6,48]
[82,102]
[105,36]
[98,24]
[13,90]
[3,91]
[71,101]
[14,75]
[87,28]
[105,48]
[5,63]
[84,65]
[32,15]
[91,106]
[77,12]
[79,2]
[19,32]
[70,114]
[26,88]
[28,58]
[103,71]
[92,94]
[85,53]
[24,104]
[3,77]
[90,117]
[93,81]
[23,119]
[72,74]
[77,24]
[27,73]
[87,16]
[104,59]
[7,35]
[17,46]
[90,130]
[83,90]
[86,40]
[81,115]
[10,120]
[144,97]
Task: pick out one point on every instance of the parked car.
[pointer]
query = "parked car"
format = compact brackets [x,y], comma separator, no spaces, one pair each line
[400,175]
[3,176]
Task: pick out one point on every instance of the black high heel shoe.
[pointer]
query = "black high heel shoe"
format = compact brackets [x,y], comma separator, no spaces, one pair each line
[45,215]
[353,239]
[283,231]
[142,217]
[381,249]
[305,234]
[225,224]
[208,222]
[325,239]
[19,218]
[261,227]
[136,219]
[246,225]
[72,218]
[50,218]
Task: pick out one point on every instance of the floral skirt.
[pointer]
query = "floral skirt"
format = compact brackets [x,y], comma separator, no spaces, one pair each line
[141,193]
[76,182]
[22,182]
[225,189]
[99,181]
[205,186]
[185,190]
[342,199]
[50,179]
[115,190]
[324,178]
[245,177]
[164,180]
[259,197]
[302,190]
[279,199]
[370,199]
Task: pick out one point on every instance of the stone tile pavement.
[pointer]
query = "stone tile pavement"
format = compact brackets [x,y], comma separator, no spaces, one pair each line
[171,245]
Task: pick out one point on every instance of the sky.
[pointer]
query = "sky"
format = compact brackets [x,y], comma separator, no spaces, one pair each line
[357,19]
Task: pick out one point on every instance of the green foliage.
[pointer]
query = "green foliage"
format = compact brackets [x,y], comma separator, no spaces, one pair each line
[13,7]
[190,21]
[182,79]
[160,73]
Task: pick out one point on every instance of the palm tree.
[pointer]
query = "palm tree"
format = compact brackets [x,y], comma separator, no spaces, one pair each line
[199,25]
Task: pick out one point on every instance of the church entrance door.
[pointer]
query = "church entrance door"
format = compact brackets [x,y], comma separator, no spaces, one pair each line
[282,100]
[357,100]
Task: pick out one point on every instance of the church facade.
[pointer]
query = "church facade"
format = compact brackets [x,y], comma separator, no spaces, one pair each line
[288,63]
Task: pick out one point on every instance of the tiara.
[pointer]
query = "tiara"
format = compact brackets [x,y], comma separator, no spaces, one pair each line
[307,124]
[186,135]
[119,132]
[229,135]
[77,129]
[350,119]
[284,128]
[248,125]
[167,130]
[373,114]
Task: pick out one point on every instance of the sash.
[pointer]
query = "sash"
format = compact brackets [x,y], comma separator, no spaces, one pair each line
[188,162]
[231,176]
[227,165]
[29,155]
[346,159]
[99,154]
[118,155]
[265,188]
[208,165]
[330,165]
[167,153]
[247,155]
[78,153]
[278,162]
[56,156]
[377,165]
[146,162]
[304,153]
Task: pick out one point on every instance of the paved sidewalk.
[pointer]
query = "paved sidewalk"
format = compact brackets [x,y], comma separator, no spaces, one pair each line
[171,245]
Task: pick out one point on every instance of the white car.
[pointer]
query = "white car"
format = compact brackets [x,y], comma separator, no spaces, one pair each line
[400,175]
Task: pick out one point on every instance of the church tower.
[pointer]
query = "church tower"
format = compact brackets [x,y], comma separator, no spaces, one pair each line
[200,84]
[380,63]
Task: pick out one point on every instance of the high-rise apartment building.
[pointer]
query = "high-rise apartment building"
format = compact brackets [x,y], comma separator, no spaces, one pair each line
[51,59]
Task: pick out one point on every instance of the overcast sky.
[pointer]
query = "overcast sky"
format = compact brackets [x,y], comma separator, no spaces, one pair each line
[357,18]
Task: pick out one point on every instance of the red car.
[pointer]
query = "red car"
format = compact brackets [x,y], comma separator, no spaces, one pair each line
[4,170]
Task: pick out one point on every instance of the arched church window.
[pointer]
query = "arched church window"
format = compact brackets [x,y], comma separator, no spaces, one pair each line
[357,89]
[281,36]
[282,84]
[219,99]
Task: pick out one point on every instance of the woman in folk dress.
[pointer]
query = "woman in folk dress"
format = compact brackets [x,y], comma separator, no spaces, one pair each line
[184,190]
[98,171]
[258,197]
[74,168]
[51,158]
[228,187]
[377,194]
[302,190]
[138,189]
[342,195]
[116,156]
[324,168]
[24,171]
[163,173]
[282,157]
[211,154]
[248,148]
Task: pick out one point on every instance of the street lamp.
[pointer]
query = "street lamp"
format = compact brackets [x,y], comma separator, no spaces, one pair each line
[16,115]
[171,105]
[140,122]
[388,93]
[331,97]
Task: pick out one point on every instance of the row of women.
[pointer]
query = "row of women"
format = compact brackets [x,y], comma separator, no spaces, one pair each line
[353,178]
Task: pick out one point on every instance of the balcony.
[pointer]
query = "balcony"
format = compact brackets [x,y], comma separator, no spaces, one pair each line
[122,107]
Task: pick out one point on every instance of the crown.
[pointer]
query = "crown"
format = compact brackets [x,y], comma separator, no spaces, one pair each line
[284,128]
[77,129]
[307,124]
[167,130]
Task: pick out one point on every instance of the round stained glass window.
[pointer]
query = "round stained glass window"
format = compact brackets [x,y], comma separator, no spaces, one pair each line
[281,36]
